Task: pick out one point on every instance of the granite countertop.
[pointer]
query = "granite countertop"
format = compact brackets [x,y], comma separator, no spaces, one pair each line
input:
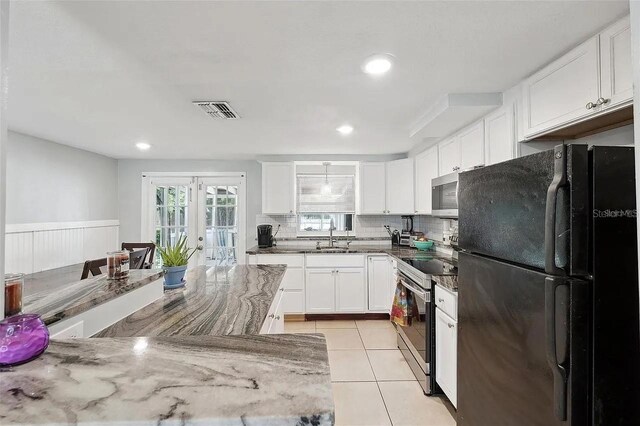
[81,296]
[248,380]
[450,282]
[398,252]
[215,301]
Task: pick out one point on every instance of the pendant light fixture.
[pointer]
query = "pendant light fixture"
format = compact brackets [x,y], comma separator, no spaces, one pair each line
[326,187]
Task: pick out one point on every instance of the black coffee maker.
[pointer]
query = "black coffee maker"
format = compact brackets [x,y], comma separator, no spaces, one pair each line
[265,239]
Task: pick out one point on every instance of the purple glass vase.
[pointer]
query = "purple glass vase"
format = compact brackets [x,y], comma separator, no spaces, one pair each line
[22,338]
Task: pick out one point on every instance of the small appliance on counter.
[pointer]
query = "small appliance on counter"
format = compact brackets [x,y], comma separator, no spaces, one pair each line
[407,230]
[395,235]
[265,237]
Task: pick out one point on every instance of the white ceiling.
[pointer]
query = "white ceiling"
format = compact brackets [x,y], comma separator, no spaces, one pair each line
[104,75]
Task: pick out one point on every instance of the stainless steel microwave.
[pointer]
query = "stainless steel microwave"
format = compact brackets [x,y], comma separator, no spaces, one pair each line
[444,195]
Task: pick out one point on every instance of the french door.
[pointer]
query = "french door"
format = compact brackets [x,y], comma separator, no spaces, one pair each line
[209,210]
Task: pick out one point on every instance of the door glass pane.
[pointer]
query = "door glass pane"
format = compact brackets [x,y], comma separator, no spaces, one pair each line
[172,212]
[221,225]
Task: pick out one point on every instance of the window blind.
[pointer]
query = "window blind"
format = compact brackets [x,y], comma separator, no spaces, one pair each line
[333,194]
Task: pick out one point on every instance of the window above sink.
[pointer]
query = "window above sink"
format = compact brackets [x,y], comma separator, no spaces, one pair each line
[317,224]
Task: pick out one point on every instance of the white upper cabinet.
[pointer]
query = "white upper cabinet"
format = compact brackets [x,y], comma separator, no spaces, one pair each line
[373,182]
[563,91]
[426,165]
[499,135]
[449,156]
[278,188]
[591,79]
[472,146]
[617,70]
[400,197]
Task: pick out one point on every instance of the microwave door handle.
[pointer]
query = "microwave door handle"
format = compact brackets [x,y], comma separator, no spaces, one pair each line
[559,180]
[559,371]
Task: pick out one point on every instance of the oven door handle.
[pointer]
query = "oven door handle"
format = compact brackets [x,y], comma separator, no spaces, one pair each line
[421,293]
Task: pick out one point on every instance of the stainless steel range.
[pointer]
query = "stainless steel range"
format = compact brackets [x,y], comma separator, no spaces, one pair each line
[417,341]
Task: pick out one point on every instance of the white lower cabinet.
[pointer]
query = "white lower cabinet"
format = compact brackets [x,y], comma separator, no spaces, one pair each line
[447,350]
[292,282]
[351,290]
[274,322]
[380,274]
[333,283]
[336,290]
[320,291]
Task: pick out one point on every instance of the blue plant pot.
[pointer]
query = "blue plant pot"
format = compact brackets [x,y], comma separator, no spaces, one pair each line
[174,276]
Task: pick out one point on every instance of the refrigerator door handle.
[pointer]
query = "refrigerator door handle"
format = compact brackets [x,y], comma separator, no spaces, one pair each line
[559,371]
[559,180]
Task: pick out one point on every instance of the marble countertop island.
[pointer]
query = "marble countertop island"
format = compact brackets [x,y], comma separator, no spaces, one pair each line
[205,380]
[216,301]
[81,296]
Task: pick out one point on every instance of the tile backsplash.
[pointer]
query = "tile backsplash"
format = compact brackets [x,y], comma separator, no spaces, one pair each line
[369,226]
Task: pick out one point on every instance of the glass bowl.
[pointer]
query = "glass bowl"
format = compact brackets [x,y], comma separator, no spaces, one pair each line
[22,338]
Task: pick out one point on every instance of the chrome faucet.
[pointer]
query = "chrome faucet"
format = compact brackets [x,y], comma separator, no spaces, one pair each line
[331,229]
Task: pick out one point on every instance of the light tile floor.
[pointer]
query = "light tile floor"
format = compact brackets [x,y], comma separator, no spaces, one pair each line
[372,383]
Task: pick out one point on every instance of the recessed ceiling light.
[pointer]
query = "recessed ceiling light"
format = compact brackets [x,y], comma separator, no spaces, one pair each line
[143,146]
[378,64]
[345,129]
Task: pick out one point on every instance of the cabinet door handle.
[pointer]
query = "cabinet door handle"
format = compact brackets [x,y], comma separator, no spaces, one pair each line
[440,300]
[271,316]
[278,317]
[450,325]
[590,105]
[602,101]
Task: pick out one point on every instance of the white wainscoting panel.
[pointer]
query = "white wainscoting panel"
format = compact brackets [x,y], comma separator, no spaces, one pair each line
[99,241]
[39,247]
[55,249]
[19,252]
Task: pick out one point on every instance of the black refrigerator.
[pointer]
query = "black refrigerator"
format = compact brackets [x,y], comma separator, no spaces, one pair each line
[548,290]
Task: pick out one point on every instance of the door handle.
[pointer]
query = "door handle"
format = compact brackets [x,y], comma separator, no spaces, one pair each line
[200,238]
[200,247]
[559,180]
[552,284]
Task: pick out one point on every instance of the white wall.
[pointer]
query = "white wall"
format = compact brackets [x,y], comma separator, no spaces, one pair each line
[130,189]
[49,182]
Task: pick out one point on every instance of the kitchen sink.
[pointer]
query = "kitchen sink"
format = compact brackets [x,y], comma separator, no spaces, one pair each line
[332,249]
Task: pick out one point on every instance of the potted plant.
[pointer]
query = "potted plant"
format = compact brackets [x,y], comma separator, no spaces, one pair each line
[174,262]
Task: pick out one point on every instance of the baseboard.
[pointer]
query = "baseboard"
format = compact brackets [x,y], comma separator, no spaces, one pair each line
[294,317]
[367,316]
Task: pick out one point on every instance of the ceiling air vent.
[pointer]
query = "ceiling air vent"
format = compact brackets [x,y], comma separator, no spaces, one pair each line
[217,109]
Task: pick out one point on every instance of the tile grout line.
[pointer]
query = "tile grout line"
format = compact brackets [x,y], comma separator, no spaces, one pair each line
[376,377]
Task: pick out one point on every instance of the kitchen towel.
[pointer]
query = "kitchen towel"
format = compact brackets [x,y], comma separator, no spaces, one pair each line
[401,308]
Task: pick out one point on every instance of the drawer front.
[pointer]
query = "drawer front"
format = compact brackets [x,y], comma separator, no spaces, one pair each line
[293,279]
[275,310]
[447,301]
[291,260]
[335,260]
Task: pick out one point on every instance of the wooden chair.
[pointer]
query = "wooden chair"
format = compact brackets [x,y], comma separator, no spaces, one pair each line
[137,258]
[148,264]
[93,267]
